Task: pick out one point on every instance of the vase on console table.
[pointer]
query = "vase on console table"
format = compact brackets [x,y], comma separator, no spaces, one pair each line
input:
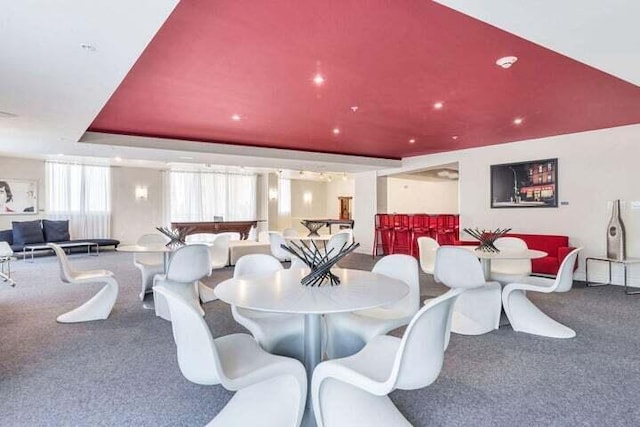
[615,234]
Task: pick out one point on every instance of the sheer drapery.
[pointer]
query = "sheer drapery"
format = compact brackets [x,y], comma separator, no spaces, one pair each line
[81,194]
[284,196]
[203,196]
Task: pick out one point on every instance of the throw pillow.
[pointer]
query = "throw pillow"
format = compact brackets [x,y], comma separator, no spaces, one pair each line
[56,231]
[27,232]
[6,236]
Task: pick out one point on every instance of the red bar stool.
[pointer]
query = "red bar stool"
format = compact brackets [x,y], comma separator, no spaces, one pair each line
[382,237]
[400,237]
[419,227]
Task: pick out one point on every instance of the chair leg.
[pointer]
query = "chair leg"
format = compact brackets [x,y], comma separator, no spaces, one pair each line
[525,317]
[97,308]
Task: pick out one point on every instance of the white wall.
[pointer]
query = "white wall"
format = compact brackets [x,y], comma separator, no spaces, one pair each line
[334,189]
[420,196]
[593,169]
[14,168]
[364,209]
[301,210]
[131,218]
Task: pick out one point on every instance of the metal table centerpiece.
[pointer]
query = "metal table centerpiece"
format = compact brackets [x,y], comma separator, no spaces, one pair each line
[487,237]
[319,260]
[176,237]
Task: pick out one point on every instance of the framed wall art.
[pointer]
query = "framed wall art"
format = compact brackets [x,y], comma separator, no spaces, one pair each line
[532,184]
[18,196]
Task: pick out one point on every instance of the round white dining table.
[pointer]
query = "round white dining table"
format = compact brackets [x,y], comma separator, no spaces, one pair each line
[505,254]
[282,292]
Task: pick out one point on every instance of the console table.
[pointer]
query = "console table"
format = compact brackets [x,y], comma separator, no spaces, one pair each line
[313,225]
[242,227]
[609,261]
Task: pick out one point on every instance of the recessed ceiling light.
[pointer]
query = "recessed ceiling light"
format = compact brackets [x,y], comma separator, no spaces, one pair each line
[336,131]
[438,105]
[454,137]
[355,109]
[117,159]
[318,79]
[236,117]
[7,115]
[518,121]
[506,62]
[412,141]
[88,47]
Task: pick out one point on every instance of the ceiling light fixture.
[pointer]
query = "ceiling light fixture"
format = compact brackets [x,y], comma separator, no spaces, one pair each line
[318,80]
[355,109]
[344,176]
[438,105]
[412,141]
[506,61]
[336,131]
[117,159]
[518,121]
[236,117]
[454,137]
[88,47]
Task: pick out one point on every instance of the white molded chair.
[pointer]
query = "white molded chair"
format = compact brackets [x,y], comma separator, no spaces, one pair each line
[275,240]
[510,270]
[427,248]
[477,311]
[218,254]
[353,391]
[100,305]
[290,232]
[149,264]
[187,266]
[349,332]
[524,316]
[276,333]
[271,390]
[6,255]
[338,241]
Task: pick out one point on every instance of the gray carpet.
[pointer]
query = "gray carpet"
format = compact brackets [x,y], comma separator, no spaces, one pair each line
[123,371]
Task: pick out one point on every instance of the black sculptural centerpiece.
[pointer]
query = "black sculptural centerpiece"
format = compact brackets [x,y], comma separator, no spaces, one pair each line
[176,237]
[319,260]
[486,237]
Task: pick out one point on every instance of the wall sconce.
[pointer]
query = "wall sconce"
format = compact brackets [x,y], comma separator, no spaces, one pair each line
[307,198]
[142,192]
[273,193]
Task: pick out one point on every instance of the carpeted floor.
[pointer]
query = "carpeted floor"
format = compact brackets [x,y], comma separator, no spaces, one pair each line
[123,371]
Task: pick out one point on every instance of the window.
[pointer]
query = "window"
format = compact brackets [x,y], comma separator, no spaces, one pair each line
[202,196]
[81,194]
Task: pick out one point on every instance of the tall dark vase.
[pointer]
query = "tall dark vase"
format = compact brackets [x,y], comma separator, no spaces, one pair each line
[615,234]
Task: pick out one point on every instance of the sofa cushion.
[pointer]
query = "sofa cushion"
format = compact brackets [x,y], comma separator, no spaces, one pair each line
[56,231]
[6,236]
[27,232]
[544,242]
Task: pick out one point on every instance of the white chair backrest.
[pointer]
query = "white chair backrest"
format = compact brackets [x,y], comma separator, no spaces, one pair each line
[219,251]
[152,239]
[515,266]
[421,354]
[564,278]
[189,263]
[427,248]
[200,238]
[405,268]
[254,264]
[275,240]
[458,268]
[66,272]
[337,242]
[5,250]
[290,232]
[198,357]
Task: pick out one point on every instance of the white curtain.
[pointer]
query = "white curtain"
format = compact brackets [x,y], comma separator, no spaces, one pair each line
[81,194]
[284,197]
[207,196]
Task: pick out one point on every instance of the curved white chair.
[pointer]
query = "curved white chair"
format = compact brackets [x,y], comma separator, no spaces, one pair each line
[275,240]
[271,390]
[276,333]
[337,242]
[510,270]
[187,266]
[477,311]
[290,232]
[427,248]
[349,332]
[353,391]
[218,254]
[524,316]
[149,264]
[100,305]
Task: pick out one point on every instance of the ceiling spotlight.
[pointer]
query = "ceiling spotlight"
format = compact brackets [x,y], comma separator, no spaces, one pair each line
[506,61]
[438,105]
[412,141]
[517,121]
[301,173]
[454,137]
[344,176]
[355,109]
[318,80]
[336,131]
[236,117]
[88,47]
[117,159]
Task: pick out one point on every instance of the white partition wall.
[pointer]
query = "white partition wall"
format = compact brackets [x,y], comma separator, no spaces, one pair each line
[364,209]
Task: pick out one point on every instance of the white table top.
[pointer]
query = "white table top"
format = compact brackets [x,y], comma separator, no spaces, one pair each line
[282,292]
[507,253]
[144,249]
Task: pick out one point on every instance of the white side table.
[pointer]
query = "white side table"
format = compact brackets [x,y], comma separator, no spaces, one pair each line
[609,261]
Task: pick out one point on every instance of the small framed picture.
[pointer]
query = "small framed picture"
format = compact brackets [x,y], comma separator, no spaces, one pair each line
[18,196]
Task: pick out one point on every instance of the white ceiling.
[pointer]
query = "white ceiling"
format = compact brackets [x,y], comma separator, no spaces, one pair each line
[56,87]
